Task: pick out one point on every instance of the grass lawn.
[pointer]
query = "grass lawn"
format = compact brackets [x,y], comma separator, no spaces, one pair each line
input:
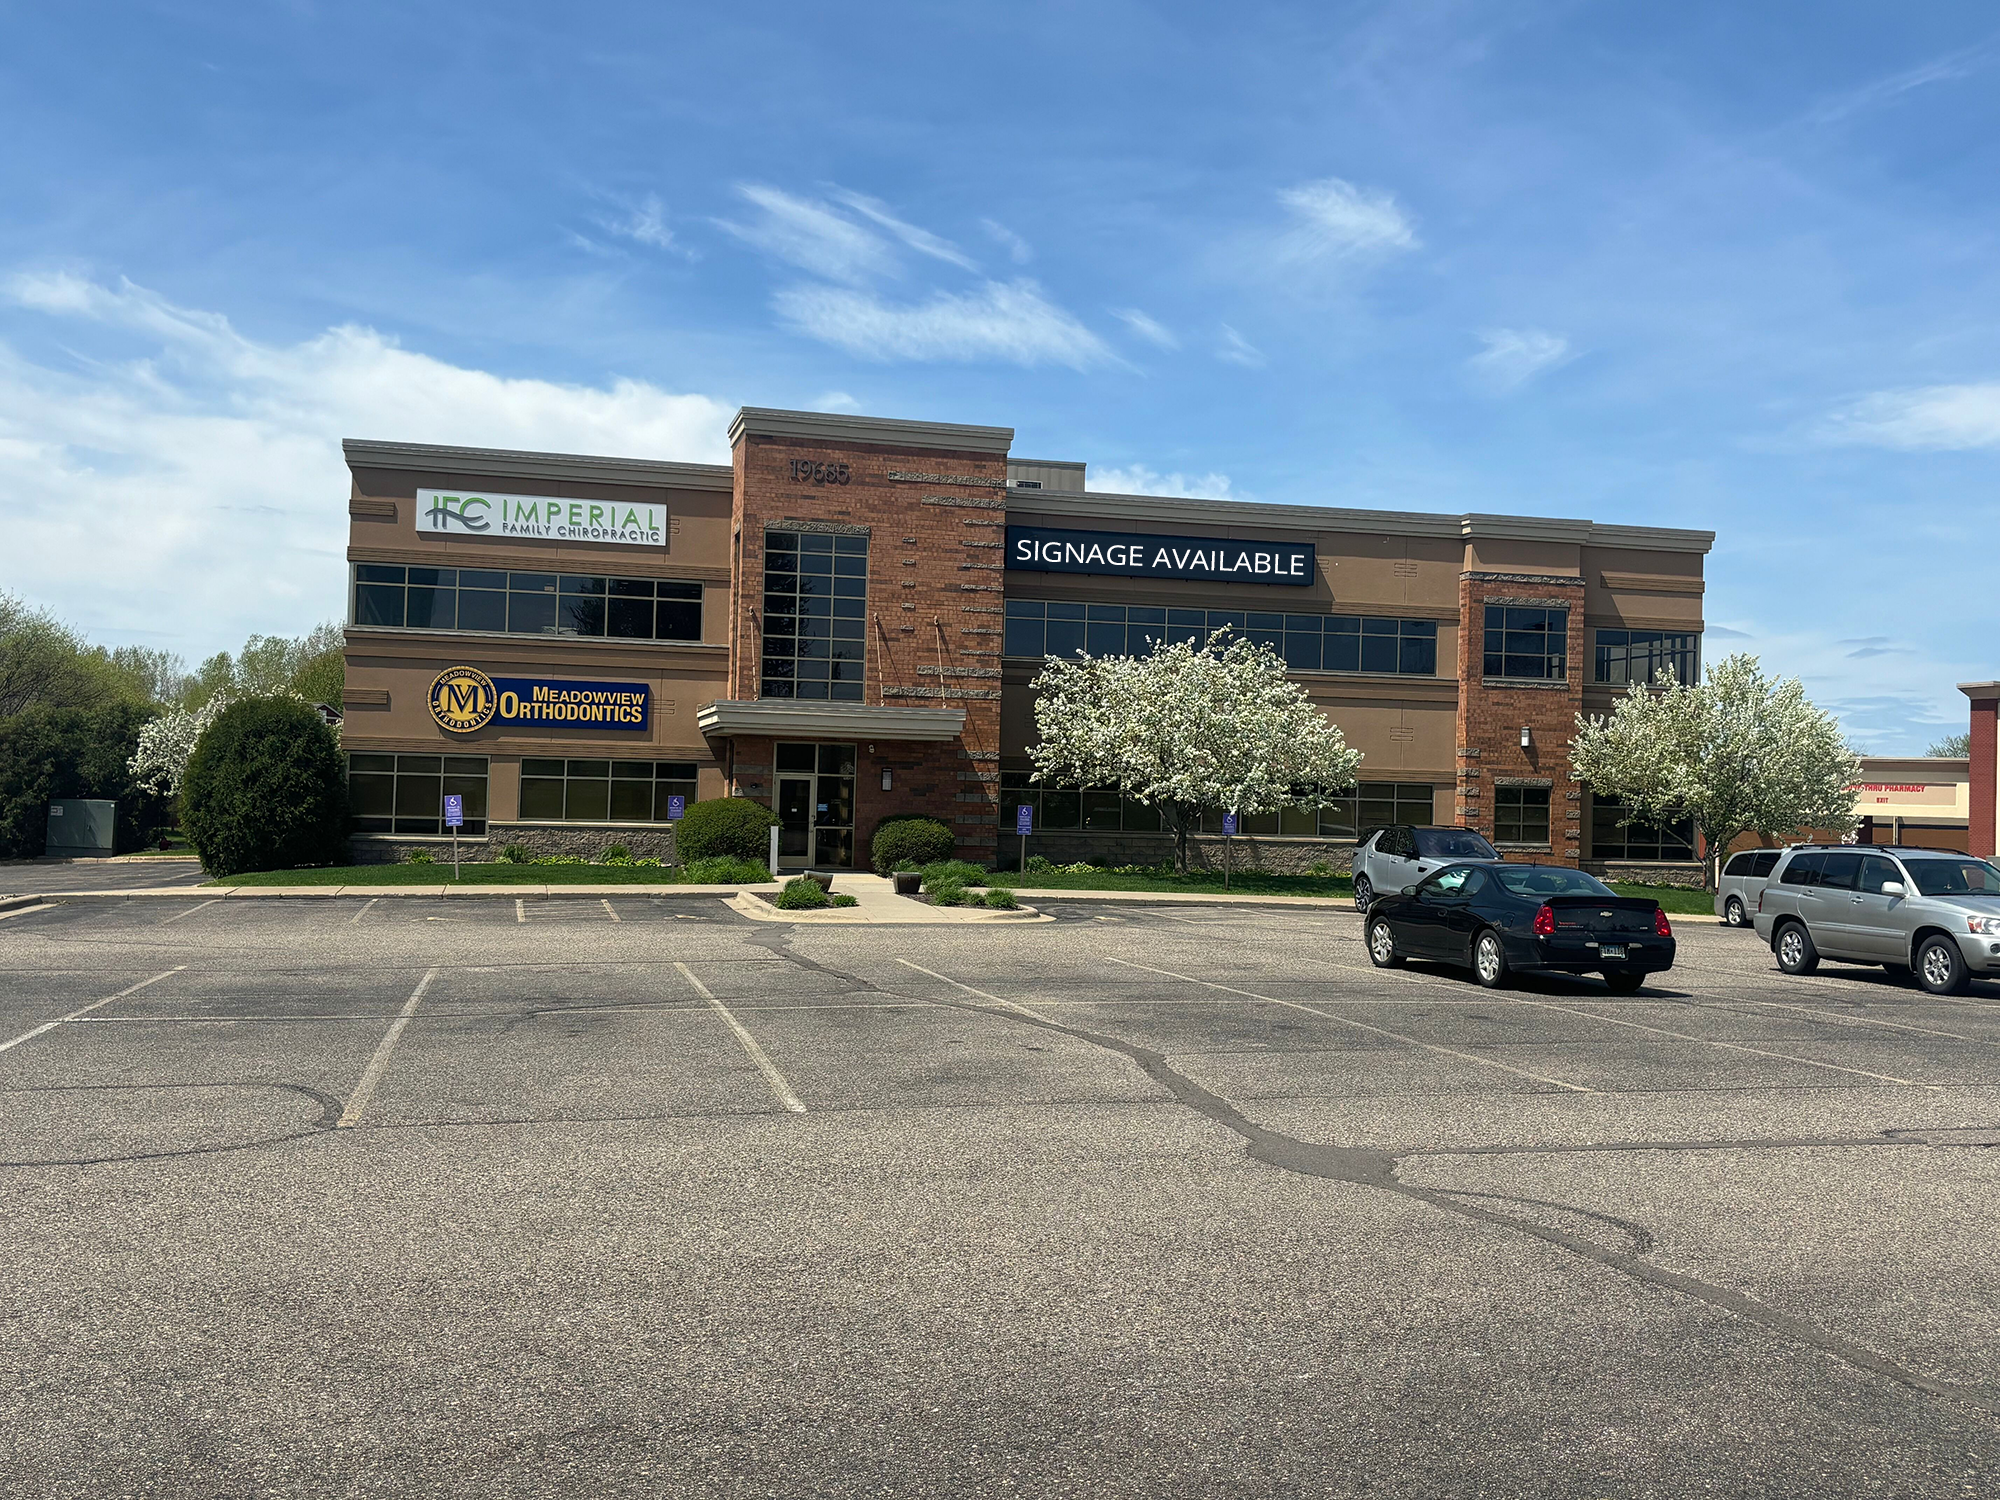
[493,873]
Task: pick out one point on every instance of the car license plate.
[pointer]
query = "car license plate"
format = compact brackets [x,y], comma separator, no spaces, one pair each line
[1611,950]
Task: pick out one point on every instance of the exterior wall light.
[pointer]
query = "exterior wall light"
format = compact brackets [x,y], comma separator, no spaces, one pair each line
[1527,739]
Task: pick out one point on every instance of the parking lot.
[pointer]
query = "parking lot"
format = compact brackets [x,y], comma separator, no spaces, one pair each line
[632,1196]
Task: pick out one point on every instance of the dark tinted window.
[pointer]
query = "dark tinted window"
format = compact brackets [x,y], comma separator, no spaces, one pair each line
[1452,843]
[1802,870]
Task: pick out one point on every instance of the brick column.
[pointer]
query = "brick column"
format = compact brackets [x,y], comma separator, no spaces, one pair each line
[1985,727]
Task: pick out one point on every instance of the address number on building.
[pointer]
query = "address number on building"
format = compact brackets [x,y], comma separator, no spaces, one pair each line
[813,471]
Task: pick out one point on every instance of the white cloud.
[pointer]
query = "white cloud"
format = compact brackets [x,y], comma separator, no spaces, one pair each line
[1018,249]
[188,490]
[920,240]
[644,222]
[1010,321]
[813,237]
[1514,355]
[1147,328]
[1137,479]
[1238,350]
[1337,219]
[1928,417]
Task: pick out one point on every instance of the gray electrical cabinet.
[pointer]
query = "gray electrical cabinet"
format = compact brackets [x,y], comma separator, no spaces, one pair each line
[80,829]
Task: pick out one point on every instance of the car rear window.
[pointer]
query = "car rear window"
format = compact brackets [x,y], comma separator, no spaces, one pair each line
[1453,843]
[1547,880]
[1955,877]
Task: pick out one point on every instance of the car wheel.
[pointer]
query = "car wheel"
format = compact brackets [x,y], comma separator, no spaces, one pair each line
[1732,913]
[1795,950]
[1364,894]
[1489,959]
[1382,947]
[1624,984]
[1941,967]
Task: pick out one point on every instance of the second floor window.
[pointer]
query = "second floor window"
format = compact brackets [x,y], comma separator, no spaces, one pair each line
[1527,641]
[815,615]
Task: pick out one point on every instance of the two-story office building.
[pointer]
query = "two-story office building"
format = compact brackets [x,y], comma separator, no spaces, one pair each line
[846,621]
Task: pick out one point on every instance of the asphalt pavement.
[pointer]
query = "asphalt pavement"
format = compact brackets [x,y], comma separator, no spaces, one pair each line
[631,1196]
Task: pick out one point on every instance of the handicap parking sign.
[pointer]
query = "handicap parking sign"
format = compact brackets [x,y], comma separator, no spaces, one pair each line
[454,811]
[676,809]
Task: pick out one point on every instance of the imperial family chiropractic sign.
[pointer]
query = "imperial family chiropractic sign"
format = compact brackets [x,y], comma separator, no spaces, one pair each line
[464,699]
[547,518]
[1046,549]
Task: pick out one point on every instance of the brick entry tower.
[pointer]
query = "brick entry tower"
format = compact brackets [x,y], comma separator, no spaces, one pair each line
[1494,710]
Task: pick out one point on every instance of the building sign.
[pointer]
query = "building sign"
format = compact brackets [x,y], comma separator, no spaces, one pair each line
[464,699]
[545,518]
[1047,549]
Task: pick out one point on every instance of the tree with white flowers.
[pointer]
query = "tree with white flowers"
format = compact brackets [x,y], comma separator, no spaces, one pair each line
[1188,729]
[1735,753]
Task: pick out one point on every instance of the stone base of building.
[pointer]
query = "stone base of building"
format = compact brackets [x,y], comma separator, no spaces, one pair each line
[581,840]
[1687,875]
[1271,856]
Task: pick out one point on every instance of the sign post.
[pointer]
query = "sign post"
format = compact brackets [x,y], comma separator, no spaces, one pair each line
[1024,824]
[454,819]
[1228,833]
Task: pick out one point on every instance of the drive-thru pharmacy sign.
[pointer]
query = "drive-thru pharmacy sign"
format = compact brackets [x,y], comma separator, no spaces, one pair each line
[546,518]
[464,699]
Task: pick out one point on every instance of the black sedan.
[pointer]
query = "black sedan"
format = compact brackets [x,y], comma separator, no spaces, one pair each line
[1496,919]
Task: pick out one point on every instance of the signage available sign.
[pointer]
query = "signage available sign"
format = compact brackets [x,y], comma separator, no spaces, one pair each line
[1048,549]
[464,699]
[545,518]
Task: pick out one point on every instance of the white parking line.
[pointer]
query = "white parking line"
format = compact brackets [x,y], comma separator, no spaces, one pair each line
[609,912]
[47,1026]
[188,913]
[364,910]
[1471,1057]
[780,1090]
[520,909]
[372,1074]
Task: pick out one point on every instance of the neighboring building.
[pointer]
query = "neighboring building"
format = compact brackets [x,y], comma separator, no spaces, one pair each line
[846,621]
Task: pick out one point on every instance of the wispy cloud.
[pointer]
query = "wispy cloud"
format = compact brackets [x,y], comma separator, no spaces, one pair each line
[920,240]
[644,222]
[1018,250]
[1337,219]
[812,236]
[1513,356]
[1147,328]
[1947,68]
[1009,321]
[1238,350]
[1927,417]
[1137,479]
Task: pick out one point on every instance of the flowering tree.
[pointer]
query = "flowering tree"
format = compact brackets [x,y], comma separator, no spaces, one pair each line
[1188,728]
[1736,753]
[166,744]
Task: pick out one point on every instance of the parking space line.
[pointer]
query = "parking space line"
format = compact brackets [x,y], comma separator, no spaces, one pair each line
[372,1075]
[606,900]
[780,1090]
[1471,1057]
[1010,1004]
[520,909]
[364,910]
[48,1026]
[188,913]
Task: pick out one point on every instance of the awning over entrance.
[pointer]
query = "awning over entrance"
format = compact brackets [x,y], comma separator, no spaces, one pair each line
[796,718]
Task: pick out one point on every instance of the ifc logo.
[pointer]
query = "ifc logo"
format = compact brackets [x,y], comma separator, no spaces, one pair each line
[463,699]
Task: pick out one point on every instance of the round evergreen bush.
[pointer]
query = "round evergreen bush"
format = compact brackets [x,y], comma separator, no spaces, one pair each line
[266,790]
[909,837]
[724,825]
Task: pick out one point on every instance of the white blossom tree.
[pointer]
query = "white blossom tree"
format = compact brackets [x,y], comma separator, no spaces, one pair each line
[1736,753]
[167,743]
[1189,728]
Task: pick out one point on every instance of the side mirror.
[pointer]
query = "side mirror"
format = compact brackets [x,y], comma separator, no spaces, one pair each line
[1894,888]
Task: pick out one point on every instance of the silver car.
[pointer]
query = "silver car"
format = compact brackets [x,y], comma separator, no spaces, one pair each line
[1391,860]
[1933,913]
[1742,882]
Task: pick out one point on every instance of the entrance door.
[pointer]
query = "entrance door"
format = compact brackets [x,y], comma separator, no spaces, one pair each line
[795,822]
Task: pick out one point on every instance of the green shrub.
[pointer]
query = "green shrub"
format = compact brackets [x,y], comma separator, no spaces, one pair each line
[946,893]
[421,857]
[516,854]
[725,825]
[801,894]
[910,837]
[51,753]
[266,790]
[725,869]
[617,854]
[841,898]
[953,872]
[1002,898]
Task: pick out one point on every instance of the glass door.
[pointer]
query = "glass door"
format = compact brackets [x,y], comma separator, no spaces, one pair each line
[795,820]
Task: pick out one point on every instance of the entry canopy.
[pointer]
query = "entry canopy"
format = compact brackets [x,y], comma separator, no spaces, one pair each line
[807,719]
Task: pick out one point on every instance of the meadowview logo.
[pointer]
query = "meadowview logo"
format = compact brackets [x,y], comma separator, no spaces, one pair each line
[548,518]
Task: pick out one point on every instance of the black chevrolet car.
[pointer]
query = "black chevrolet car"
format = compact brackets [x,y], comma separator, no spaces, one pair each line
[1496,919]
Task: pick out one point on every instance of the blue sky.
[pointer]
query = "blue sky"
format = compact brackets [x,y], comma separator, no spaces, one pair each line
[1705,265]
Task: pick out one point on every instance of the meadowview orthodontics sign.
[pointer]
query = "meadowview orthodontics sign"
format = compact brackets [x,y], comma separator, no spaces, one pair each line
[545,518]
[1047,549]
[464,699]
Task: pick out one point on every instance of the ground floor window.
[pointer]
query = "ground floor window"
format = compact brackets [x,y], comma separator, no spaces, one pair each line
[603,791]
[1353,813]
[1636,840]
[405,793]
[1520,815]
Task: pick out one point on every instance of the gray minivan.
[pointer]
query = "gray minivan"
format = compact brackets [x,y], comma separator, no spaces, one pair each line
[1741,883]
[1929,911]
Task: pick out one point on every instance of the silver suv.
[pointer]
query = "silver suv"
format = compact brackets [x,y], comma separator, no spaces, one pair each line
[1934,913]
[1742,882]
[1392,859]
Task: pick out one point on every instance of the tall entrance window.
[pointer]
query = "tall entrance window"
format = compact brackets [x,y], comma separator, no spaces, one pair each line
[815,805]
[815,615]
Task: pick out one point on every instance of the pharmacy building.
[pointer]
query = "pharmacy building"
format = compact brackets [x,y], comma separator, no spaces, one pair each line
[846,621]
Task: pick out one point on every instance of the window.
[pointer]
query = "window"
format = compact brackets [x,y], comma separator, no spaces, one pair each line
[1309,643]
[815,615]
[1521,815]
[1641,655]
[1059,809]
[1527,641]
[405,793]
[1639,840]
[602,791]
[482,599]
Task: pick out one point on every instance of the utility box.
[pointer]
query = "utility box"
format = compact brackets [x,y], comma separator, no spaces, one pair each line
[80,829]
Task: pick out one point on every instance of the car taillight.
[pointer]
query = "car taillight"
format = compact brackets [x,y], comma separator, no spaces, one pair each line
[1660,927]
[1545,921]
